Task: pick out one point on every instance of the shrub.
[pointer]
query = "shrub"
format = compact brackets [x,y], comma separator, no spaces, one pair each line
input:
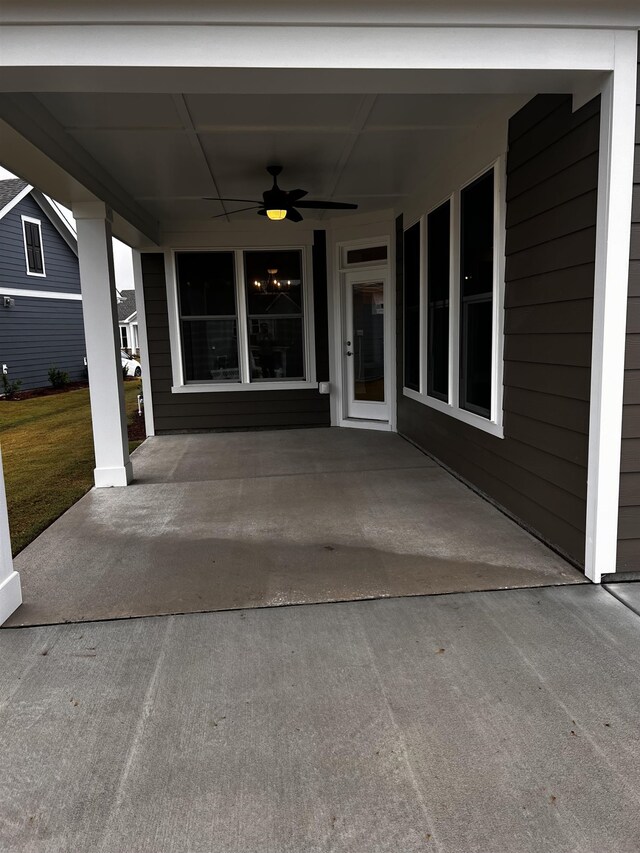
[125,372]
[58,378]
[9,388]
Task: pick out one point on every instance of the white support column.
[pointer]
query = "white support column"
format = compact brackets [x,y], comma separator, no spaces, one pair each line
[10,590]
[613,229]
[143,344]
[95,254]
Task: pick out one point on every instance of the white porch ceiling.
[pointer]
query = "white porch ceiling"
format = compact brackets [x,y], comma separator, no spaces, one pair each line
[171,150]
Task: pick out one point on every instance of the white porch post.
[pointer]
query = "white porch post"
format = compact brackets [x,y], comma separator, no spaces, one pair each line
[143,344]
[613,230]
[10,591]
[95,254]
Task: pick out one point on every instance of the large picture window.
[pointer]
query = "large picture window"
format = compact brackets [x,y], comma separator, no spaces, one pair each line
[412,307]
[476,294]
[209,326]
[460,294]
[241,316]
[438,274]
[274,314]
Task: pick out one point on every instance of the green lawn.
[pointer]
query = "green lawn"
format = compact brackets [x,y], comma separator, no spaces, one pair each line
[47,451]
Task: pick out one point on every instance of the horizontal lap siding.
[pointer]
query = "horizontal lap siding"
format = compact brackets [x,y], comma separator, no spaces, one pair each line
[232,409]
[60,263]
[629,519]
[36,334]
[538,472]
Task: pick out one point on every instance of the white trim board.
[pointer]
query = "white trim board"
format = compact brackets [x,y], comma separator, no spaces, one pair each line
[613,230]
[39,294]
[15,200]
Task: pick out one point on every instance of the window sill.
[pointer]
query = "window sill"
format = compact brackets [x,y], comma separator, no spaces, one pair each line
[219,387]
[463,415]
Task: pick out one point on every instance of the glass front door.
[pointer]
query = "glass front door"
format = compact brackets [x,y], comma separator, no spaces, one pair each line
[364,346]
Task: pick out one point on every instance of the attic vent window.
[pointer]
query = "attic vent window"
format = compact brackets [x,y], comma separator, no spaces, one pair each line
[32,232]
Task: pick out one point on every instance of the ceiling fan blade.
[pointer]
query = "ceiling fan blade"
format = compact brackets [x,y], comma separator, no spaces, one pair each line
[295,195]
[249,200]
[262,212]
[326,205]
[293,215]
[231,212]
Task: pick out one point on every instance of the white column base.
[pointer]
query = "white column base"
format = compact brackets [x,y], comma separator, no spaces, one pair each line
[105,478]
[10,596]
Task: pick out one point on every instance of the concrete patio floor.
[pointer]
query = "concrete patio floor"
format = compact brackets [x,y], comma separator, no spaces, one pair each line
[254,519]
[492,722]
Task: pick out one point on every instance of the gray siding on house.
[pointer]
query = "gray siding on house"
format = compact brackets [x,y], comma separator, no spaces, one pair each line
[38,333]
[61,264]
[629,519]
[225,410]
[538,472]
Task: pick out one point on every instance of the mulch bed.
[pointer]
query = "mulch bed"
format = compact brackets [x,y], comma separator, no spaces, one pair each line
[46,392]
[136,428]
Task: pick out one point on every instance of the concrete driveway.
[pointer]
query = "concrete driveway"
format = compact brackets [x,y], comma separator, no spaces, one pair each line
[491,722]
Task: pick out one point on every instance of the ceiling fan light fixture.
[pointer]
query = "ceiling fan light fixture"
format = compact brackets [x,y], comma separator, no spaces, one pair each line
[276,215]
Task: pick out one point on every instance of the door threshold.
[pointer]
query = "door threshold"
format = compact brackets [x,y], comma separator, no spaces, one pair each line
[362,423]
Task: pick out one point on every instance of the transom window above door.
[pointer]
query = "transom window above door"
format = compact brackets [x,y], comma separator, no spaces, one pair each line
[242,318]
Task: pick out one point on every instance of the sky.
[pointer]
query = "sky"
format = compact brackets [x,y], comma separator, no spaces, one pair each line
[122,260]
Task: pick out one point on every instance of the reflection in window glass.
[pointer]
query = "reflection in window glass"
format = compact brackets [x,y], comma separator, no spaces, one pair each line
[412,307]
[275,314]
[438,263]
[206,283]
[206,287]
[476,294]
[210,350]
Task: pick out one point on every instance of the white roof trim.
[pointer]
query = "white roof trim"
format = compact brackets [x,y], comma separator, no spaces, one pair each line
[129,319]
[15,200]
[57,220]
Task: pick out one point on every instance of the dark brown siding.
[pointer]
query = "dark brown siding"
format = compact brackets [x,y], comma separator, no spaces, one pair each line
[235,409]
[629,520]
[538,472]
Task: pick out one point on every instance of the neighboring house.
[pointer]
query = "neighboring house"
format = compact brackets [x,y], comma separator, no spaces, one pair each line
[128,322]
[477,300]
[40,302]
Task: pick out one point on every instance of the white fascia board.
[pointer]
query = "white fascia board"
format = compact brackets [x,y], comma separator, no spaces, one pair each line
[118,46]
[15,200]
[560,13]
[59,222]
[129,319]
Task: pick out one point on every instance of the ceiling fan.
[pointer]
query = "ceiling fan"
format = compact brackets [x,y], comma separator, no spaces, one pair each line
[278,204]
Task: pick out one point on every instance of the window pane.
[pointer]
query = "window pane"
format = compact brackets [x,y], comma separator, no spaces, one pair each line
[438,268]
[368,341]
[476,294]
[476,355]
[274,283]
[412,307]
[368,255]
[210,350]
[276,348]
[206,283]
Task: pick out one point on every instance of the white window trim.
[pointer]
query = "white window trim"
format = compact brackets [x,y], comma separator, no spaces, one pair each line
[180,386]
[37,222]
[493,424]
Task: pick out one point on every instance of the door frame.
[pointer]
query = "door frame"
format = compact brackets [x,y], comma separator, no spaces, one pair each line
[337,327]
